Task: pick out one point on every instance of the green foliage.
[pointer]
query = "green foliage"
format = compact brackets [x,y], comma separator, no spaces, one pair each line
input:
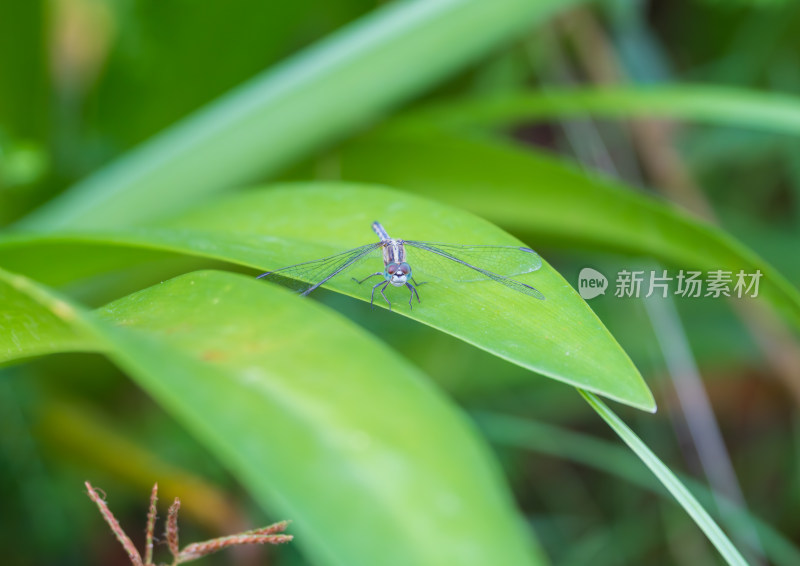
[332,419]
[666,477]
[555,202]
[617,461]
[320,94]
[281,399]
[289,224]
[712,104]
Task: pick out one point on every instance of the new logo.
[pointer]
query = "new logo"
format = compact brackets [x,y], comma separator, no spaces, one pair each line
[591,283]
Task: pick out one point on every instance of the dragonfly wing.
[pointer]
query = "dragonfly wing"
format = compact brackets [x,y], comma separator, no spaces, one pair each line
[506,261]
[476,263]
[307,276]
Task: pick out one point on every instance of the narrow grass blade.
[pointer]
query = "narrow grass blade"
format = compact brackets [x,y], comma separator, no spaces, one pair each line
[668,479]
[321,94]
[618,461]
[725,106]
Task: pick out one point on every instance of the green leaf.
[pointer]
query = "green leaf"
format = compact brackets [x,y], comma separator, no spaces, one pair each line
[322,424]
[768,111]
[532,193]
[60,259]
[34,323]
[668,479]
[559,337]
[312,99]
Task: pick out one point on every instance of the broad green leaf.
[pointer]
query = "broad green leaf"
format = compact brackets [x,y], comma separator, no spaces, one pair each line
[559,337]
[323,93]
[57,260]
[322,424]
[33,322]
[668,479]
[532,193]
[774,112]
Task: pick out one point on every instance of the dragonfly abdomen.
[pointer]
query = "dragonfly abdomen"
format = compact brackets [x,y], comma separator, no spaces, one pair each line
[380,231]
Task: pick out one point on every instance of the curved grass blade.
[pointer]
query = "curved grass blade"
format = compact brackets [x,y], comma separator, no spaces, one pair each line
[323,93]
[618,461]
[766,111]
[668,479]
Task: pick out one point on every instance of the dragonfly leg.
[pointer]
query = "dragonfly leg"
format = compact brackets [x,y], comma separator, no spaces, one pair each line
[368,277]
[384,296]
[372,298]
[411,297]
[418,284]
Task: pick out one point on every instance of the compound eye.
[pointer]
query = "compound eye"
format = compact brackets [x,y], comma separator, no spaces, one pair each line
[392,268]
[404,269]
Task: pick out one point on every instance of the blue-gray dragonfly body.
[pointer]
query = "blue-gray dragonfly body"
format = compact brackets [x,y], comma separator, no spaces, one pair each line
[439,261]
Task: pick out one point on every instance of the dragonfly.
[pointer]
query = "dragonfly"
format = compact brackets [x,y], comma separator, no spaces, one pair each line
[450,262]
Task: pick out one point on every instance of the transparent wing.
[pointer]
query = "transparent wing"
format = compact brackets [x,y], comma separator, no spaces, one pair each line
[505,261]
[307,276]
[475,263]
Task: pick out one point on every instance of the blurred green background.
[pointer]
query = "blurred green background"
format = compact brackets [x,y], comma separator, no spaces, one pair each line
[83,82]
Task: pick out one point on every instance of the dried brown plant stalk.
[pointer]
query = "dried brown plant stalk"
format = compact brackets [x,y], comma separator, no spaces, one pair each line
[272,534]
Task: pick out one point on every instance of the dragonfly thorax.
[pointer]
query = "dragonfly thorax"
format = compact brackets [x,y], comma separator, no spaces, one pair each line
[393,251]
[396,270]
[397,273]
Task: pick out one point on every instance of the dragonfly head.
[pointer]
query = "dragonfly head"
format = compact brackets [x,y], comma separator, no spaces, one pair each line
[397,273]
